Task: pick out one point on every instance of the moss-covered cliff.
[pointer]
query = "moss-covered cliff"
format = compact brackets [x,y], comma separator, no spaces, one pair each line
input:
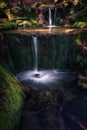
[11,100]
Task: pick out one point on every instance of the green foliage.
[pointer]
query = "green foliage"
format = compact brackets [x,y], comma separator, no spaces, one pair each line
[9,14]
[78,42]
[8,25]
[22,11]
[33,21]
[27,8]
[69,12]
[2,5]
[84,11]
[11,99]
[80,15]
[4,1]
[80,24]
[80,60]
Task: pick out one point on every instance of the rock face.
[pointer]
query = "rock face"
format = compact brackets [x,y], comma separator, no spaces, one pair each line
[42,110]
[75,113]
[59,108]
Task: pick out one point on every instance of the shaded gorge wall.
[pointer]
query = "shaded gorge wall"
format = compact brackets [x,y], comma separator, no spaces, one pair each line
[20,52]
[60,51]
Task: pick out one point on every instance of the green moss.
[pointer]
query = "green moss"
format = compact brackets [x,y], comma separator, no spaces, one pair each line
[78,42]
[7,26]
[33,21]
[2,5]
[80,24]
[11,100]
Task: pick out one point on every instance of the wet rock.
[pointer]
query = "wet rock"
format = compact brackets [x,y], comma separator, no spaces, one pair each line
[29,121]
[75,112]
[82,82]
[30,95]
[49,119]
[42,111]
[50,109]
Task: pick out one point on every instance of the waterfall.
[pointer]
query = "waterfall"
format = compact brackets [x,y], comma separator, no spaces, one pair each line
[46,77]
[55,13]
[35,53]
[52,21]
[50,17]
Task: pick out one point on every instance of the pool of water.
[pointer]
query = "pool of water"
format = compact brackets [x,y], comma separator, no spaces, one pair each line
[46,77]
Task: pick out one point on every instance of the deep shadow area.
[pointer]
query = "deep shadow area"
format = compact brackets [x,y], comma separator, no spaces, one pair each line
[61,107]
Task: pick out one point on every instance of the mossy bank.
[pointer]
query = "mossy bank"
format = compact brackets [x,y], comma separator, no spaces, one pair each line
[11,100]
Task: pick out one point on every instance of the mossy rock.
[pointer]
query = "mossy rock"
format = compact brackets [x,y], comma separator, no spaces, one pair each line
[24,23]
[8,25]
[9,14]
[2,5]
[11,100]
[80,24]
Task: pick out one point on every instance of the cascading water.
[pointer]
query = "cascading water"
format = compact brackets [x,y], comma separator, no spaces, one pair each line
[35,53]
[55,13]
[52,21]
[43,77]
[50,17]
